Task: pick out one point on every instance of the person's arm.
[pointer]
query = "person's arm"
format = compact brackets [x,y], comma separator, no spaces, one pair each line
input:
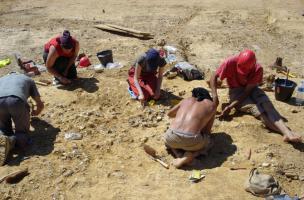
[50,61]
[172,112]
[208,127]
[39,106]
[72,59]
[239,99]
[159,82]
[213,86]
[36,96]
[137,73]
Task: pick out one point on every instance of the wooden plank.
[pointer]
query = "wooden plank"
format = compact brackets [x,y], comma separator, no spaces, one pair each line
[112,29]
[128,29]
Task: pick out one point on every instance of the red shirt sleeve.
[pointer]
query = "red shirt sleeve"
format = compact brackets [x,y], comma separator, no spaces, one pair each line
[221,72]
[257,76]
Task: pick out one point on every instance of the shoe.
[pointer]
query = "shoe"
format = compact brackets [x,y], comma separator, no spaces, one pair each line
[132,94]
[56,82]
[4,148]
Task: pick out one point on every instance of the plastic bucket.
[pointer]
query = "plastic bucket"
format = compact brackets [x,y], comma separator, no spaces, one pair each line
[105,57]
[284,89]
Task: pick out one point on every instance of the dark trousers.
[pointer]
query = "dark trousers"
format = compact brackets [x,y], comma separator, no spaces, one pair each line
[16,109]
[61,64]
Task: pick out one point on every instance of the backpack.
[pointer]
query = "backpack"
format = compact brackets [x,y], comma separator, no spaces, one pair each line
[188,71]
[262,185]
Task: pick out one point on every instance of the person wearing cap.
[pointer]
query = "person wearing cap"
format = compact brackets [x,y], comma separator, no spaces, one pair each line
[189,132]
[146,75]
[59,56]
[15,89]
[244,75]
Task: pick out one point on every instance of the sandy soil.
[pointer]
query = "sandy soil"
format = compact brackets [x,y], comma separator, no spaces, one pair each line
[109,162]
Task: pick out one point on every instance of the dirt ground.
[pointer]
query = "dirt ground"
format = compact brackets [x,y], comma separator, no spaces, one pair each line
[109,162]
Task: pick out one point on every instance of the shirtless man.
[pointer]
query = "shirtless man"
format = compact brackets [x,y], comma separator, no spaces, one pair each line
[191,127]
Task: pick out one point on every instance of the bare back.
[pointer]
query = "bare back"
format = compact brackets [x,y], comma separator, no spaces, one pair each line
[193,116]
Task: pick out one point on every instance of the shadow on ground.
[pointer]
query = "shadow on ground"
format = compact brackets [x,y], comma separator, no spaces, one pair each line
[43,138]
[218,154]
[298,146]
[168,99]
[87,84]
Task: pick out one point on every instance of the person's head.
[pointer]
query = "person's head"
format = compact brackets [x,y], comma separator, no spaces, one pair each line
[152,58]
[246,62]
[66,41]
[200,94]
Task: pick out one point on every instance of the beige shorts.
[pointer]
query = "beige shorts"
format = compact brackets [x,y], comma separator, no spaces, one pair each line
[252,104]
[186,141]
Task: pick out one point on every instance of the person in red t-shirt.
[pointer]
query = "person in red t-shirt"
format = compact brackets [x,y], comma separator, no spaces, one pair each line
[59,56]
[244,75]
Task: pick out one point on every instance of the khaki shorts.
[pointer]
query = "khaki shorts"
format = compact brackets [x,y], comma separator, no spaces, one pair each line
[252,104]
[186,141]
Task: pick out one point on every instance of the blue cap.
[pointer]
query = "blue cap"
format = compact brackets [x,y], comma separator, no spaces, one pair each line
[152,57]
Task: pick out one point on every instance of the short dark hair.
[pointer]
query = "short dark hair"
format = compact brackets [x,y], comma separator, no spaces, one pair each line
[200,94]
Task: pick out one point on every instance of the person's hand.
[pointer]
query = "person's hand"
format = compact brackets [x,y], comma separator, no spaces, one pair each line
[225,112]
[35,112]
[38,109]
[141,98]
[64,80]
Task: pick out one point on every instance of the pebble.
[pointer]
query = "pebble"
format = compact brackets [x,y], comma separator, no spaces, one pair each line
[117,174]
[291,175]
[159,118]
[68,173]
[269,155]
[145,139]
[265,164]
[73,136]
[182,93]
[301,177]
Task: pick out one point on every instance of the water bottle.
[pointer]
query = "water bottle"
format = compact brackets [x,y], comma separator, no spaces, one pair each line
[300,94]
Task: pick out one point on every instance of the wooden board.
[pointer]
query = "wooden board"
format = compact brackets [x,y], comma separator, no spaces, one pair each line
[124,31]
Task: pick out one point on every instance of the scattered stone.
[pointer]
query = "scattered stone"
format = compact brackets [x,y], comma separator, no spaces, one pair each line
[265,164]
[301,177]
[269,155]
[159,118]
[144,140]
[162,42]
[117,174]
[182,93]
[291,175]
[73,184]
[73,136]
[58,181]
[74,146]
[294,111]
[68,173]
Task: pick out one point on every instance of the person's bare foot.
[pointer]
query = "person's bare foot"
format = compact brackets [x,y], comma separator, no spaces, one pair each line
[179,162]
[292,138]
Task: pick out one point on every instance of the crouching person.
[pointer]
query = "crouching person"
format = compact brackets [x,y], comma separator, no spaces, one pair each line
[15,89]
[191,127]
[59,56]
